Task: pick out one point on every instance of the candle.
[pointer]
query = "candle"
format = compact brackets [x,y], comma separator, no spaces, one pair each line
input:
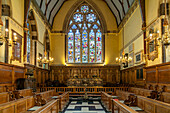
[6,32]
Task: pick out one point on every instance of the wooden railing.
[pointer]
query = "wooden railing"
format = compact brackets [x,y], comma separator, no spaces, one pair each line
[119,107]
[63,100]
[82,89]
[52,107]
[106,100]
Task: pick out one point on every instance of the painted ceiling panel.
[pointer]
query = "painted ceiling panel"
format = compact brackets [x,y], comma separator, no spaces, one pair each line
[56,9]
[51,7]
[125,4]
[131,2]
[119,7]
[43,6]
[38,2]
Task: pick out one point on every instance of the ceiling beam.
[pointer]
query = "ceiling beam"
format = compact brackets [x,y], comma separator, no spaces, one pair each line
[112,13]
[41,3]
[57,13]
[47,7]
[117,10]
[128,3]
[122,6]
[52,10]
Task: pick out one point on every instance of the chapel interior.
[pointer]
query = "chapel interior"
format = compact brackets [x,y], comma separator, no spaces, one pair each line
[84,56]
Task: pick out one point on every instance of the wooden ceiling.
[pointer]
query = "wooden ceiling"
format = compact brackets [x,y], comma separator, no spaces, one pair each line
[50,10]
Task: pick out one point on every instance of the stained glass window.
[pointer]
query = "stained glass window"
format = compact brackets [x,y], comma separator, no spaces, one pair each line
[84,37]
[78,17]
[92,46]
[84,9]
[91,17]
[70,46]
[98,46]
[77,46]
[28,47]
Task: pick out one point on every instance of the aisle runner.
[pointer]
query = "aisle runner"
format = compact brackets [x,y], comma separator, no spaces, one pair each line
[85,107]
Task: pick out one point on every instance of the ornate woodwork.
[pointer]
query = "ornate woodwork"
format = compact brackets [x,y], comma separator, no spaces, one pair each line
[106,73]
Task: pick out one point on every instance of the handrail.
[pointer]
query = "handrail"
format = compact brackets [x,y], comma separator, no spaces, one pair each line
[53,106]
[63,100]
[106,100]
[84,89]
[121,107]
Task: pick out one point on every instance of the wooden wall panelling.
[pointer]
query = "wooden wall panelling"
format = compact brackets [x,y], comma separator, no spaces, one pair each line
[129,75]
[151,75]
[5,74]
[164,74]
[19,72]
[158,74]
[107,73]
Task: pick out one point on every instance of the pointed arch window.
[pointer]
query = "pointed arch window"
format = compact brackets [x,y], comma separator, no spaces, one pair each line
[84,38]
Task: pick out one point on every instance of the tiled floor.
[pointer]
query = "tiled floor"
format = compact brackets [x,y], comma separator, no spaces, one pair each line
[84,107]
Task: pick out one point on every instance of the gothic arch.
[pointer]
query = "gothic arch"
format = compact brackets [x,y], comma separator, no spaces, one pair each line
[75,6]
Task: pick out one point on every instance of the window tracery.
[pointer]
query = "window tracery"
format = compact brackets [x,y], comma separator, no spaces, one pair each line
[84,39]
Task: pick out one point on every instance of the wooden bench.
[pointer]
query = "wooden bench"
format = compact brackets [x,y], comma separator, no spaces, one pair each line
[22,93]
[4,97]
[7,88]
[154,94]
[150,105]
[17,106]
[123,95]
[114,105]
[43,97]
[153,106]
[22,105]
[140,91]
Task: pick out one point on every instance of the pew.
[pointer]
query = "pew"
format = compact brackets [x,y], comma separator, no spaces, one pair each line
[43,97]
[140,91]
[115,106]
[17,106]
[153,106]
[131,101]
[4,97]
[150,105]
[162,95]
[165,97]
[7,88]
[123,95]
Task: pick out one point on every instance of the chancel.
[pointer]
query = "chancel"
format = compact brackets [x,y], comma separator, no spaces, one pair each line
[84,56]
